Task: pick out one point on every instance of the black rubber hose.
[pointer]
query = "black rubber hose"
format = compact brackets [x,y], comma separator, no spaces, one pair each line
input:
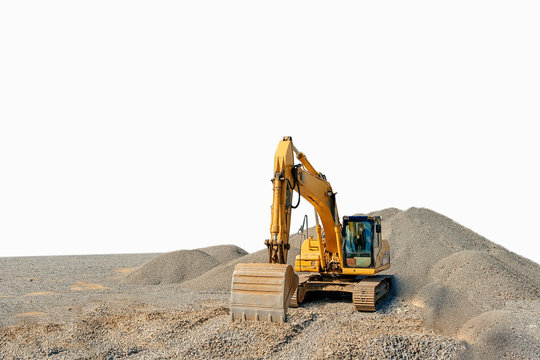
[297,184]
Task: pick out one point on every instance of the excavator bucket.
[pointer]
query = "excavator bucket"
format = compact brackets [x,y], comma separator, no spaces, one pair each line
[262,291]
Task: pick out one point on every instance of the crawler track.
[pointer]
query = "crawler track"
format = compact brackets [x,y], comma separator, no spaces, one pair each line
[366,292]
[294,300]
[369,291]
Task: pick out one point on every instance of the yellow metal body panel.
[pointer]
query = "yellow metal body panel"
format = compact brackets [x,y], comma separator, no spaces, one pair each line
[309,260]
[364,271]
[310,256]
[315,190]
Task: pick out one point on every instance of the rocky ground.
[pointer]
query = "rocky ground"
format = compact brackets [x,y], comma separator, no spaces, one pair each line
[458,296]
[327,328]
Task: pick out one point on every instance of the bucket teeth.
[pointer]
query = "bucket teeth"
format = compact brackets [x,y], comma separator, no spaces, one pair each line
[262,292]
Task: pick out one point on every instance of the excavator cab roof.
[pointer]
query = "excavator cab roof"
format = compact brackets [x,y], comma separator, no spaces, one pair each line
[361,218]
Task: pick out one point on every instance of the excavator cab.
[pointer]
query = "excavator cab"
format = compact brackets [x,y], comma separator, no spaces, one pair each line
[361,240]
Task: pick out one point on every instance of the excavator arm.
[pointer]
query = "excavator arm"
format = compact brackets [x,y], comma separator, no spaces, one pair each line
[263,291]
[312,186]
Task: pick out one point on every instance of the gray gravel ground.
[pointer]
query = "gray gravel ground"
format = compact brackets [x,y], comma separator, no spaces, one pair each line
[78,307]
[458,296]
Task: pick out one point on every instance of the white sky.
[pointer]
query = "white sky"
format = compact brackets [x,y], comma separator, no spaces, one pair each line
[149,126]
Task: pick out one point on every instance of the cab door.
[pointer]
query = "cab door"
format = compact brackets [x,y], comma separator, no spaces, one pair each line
[377,240]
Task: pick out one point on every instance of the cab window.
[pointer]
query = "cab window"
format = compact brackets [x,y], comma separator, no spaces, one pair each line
[358,243]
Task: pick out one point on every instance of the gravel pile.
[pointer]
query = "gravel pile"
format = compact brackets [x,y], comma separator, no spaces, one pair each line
[219,278]
[183,265]
[224,253]
[173,267]
[457,276]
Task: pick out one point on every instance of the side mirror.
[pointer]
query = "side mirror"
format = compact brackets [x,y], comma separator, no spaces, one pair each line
[378,228]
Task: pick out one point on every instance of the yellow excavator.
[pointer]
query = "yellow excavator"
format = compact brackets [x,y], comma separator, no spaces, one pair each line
[344,257]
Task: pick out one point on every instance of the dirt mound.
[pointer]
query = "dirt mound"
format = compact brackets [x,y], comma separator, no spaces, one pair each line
[464,283]
[451,271]
[173,267]
[511,332]
[183,265]
[224,253]
[466,270]
[296,240]
[219,278]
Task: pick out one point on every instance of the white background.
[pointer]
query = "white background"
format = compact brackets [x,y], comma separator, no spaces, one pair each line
[149,126]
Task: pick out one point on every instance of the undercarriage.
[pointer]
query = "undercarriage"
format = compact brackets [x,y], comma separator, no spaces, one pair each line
[367,291]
